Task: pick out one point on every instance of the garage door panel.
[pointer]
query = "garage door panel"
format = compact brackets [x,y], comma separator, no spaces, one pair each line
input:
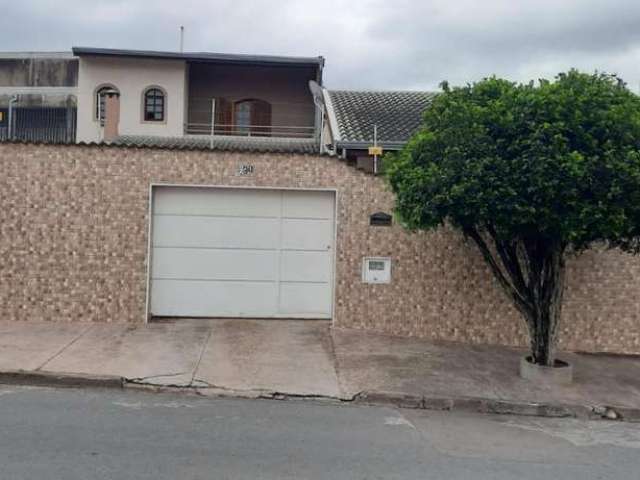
[217,202]
[306,234]
[305,299]
[307,204]
[298,266]
[215,232]
[202,298]
[242,253]
[197,264]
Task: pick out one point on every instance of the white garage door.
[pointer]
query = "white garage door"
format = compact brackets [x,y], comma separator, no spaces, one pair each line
[219,252]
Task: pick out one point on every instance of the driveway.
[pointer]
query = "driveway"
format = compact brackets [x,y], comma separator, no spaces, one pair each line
[274,356]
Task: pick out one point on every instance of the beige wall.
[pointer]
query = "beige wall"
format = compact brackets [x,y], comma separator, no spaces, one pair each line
[285,88]
[73,243]
[131,76]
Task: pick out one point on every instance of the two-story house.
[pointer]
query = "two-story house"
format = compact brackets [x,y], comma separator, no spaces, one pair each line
[219,185]
[163,94]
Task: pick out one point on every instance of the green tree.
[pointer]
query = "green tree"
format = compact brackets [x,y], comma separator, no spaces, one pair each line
[531,173]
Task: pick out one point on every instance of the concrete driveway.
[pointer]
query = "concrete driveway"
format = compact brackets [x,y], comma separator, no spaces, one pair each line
[271,356]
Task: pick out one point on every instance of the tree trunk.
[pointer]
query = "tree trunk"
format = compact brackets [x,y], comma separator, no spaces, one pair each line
[532,274]
[547,308]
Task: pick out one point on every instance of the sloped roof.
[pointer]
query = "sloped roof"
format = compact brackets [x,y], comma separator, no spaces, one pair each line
[397,114]
[221,143]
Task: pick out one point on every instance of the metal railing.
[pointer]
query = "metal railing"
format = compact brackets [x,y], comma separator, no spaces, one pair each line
[46,120]
[279,131]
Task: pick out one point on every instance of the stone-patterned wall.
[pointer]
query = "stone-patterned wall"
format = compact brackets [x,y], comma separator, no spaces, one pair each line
[73,246]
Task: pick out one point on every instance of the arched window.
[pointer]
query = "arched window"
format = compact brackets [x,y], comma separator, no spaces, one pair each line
[99,102]
[252,116]
[154,105]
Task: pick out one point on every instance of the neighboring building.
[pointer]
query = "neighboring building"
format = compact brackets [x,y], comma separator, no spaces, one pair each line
[37,96]
[275,215]
[353,116]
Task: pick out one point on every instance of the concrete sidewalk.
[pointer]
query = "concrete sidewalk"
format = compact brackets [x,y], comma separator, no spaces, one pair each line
[274,358]
[443,373]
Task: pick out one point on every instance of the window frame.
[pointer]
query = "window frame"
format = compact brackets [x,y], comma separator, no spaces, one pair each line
[143,112]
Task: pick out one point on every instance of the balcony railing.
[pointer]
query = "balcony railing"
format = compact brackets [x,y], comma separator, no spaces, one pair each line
[278,131]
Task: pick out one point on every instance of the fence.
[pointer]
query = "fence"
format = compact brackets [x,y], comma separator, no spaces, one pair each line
[38,124]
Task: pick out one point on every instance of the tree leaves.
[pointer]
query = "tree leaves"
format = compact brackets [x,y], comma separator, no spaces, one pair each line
[553,160]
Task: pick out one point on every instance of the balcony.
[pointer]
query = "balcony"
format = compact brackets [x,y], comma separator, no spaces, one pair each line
[261,101]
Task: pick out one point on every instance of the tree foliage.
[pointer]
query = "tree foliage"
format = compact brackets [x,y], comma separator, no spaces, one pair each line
[529,172]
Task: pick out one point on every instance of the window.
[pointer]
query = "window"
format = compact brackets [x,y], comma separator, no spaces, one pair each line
[154,105]
[100,101]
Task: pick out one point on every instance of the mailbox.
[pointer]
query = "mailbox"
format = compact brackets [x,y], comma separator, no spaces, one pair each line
[376,270]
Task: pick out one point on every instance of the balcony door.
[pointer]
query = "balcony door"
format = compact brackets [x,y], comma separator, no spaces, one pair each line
[244,117]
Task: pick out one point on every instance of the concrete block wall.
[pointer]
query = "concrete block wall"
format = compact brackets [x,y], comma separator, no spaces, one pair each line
[73,248]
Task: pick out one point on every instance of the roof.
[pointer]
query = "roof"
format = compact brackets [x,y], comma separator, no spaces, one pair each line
[43,55]
[397,115]
[221,143]
[204,57]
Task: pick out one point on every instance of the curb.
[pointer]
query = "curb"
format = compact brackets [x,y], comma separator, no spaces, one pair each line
[379,398]
[499,407]
[52,379]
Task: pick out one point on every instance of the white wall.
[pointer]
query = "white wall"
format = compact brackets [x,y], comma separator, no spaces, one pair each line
[131,76]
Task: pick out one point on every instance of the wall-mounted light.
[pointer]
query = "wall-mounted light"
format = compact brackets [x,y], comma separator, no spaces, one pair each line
[380,219]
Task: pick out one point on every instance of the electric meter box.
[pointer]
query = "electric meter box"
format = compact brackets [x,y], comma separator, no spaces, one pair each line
[376,270]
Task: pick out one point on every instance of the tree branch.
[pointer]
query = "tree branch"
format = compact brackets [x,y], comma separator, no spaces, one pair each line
[521,302]
[511,262]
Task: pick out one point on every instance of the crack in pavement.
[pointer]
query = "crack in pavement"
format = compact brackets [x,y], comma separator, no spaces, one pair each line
[142,379]
[200,386]
[59,352]
[204,348]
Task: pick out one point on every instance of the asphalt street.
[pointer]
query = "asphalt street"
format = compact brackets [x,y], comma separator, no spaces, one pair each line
[108,434]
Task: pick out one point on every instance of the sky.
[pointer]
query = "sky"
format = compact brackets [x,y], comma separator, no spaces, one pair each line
[367,44]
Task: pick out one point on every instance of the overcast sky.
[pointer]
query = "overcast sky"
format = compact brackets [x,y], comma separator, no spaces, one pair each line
[368,44]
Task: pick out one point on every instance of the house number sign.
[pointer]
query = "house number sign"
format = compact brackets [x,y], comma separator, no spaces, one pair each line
[245,169]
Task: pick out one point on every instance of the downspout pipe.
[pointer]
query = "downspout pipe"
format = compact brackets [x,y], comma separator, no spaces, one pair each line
[12,101]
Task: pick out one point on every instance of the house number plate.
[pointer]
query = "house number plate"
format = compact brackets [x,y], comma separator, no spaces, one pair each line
[245,169]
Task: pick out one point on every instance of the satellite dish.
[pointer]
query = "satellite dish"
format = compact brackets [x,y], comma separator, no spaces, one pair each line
[316,90]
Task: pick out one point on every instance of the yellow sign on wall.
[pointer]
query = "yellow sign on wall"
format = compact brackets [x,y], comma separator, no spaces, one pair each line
[1,117]
[375,150]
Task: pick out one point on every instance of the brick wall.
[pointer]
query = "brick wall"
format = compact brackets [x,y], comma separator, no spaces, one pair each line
[73,245]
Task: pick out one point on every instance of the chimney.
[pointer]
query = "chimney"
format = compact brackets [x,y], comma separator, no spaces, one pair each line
[111,114]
